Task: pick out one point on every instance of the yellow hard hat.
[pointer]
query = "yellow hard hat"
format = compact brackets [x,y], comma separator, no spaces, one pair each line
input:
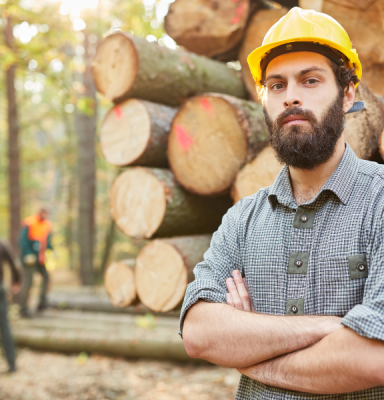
[304,30]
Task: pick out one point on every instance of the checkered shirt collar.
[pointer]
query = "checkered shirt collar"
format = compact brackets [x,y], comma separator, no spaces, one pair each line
[340,183]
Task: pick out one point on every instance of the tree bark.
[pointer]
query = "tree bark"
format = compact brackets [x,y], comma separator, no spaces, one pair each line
[149,202]
[164,267]
[207,27]
[257,174]
[13,145]
[127,66]
[86,127]
[362,129]
[109,240]
[135,132]
[211,137]
[119,283]
[257,28]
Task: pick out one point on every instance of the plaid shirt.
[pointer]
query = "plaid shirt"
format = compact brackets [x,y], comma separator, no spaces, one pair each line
[324,257]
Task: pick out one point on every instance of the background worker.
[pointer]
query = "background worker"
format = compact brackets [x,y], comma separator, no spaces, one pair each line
[34,240]
[8,255]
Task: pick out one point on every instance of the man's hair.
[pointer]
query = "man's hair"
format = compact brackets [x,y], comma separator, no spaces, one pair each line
[344,76]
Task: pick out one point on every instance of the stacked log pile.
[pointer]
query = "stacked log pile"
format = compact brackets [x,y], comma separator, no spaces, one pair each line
[189,133]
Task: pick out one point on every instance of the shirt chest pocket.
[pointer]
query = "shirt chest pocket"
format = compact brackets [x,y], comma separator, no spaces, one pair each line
[342,283]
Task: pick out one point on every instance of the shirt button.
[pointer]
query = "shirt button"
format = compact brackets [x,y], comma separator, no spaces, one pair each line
[361,267]
[298,263]
[304,218]
[294,309]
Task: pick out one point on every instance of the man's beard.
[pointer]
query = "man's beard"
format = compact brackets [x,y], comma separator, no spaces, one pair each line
[306,147]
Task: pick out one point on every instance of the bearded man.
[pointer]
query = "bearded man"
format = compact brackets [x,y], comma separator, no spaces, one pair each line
[291,291]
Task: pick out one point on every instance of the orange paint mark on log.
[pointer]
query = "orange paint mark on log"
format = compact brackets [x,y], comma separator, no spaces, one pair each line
[206,105]
[183,138]
[118,112]
[239,13]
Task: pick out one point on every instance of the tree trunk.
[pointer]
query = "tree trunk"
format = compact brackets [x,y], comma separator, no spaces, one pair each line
[207,27]
[362,129]
[109,240]
[211,137]
[135,132]
[127,66]
[122,335]
[13,145]
[149,202]
[257,174]
[86,121]
[164,267]
[119,283]
[257,28]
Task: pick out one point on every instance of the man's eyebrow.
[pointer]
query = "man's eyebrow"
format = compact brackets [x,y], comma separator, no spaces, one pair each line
[298,74]
[310,69]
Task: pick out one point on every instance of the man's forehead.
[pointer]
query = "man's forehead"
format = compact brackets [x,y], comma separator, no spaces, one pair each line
[292,63]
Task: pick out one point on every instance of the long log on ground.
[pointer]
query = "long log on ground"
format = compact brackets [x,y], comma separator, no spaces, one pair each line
[257,28]
[119,283]
[127,66]
[148,202]
[211,137]
[120,337]
[135,132]
[362,129]
[94,300]
[257,174]
[164,267]
[207,27]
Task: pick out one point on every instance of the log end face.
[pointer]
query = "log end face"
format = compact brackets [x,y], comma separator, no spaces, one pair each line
[115,65]
[125,132]
[207,145]
[161,276]
[119,284]
[138,202]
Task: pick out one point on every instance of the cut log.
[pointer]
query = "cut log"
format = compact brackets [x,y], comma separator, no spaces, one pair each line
[362,129]
[211,137]
[164,267]
[121,335]
[149,202]
[257,28]
[207,27]
[127,66]
[257,174]
[135,132]
[119,283]
[363,21]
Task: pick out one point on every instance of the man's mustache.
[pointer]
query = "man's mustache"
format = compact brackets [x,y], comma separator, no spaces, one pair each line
[307,114]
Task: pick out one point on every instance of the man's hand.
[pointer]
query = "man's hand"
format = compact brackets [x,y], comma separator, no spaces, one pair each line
[16,287]
[238,295]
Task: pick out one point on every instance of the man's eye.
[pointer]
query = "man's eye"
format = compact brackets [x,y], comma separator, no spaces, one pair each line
[277,86]
[311,81]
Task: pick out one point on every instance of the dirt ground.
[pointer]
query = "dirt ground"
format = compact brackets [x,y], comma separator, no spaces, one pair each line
[50,376]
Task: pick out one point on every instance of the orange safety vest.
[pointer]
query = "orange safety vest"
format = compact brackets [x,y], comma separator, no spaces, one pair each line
[37,229]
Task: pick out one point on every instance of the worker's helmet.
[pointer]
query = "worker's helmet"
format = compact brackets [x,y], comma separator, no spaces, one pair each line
[304,30]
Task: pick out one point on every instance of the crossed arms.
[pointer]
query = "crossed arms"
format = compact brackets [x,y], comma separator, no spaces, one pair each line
[313,354]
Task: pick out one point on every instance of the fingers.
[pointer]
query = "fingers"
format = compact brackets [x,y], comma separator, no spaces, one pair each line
[246,285]
[230,300]
[239,292]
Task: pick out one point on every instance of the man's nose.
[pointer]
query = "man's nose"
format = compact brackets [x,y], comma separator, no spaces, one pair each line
[292,97]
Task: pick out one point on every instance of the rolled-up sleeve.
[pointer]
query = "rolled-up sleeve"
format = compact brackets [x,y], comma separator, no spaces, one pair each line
[220,260]
[367,319]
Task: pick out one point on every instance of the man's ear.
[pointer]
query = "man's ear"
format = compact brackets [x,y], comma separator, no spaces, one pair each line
[349,97]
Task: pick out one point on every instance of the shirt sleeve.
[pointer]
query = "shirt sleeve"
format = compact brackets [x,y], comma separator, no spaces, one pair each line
[220,260]
[367,319]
